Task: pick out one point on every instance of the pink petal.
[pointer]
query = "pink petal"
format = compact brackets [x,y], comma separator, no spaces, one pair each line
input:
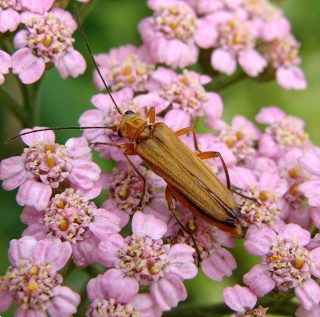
[311,190]
[291,78]
[83,173]
[145,306]
[27,66]
[12,172]
[53,251]
[37,136]
[168,291]
[37,6]
[64,302]
[294,231]
[223,61]
[107,251]
[315,256]
[308,293]
[21,249]
[104,223]
[258,242]
[148,225]
[94,288]
[79,148]
[71,64]
[9,20]
[118,286]
[5,62]
[82,251]
[269,115]
[239,297]
[219,264]
[259,281]
[252,62]
[182,261]
[34,194]
[5,300]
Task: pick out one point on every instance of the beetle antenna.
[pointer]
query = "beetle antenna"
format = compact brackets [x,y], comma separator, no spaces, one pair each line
[93,59]
[58,129]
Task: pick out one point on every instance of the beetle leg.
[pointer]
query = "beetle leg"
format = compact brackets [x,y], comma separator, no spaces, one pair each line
[187,130]
[212,154]
[170,204]
[133,152]
[129,150]
[151,114]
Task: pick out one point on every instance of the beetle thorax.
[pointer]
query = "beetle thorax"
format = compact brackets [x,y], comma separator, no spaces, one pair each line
[134,128]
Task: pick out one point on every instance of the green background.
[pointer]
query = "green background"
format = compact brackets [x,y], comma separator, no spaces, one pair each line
[112,23]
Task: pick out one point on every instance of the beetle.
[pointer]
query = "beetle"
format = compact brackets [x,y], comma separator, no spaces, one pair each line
[188,178]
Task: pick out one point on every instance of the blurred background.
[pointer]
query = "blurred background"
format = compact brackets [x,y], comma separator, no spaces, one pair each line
[112,23]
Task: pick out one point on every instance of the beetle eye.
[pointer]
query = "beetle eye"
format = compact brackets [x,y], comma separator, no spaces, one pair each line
[119,134]
[129,112]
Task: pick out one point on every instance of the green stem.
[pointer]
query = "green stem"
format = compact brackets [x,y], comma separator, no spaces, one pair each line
[30,95]
[17,110]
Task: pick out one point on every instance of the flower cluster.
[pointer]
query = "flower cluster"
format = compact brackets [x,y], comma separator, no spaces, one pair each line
[45,37]
[144,237]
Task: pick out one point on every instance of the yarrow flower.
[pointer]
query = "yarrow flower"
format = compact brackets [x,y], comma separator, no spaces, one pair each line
[126,66]
[235,42]
[265,189]
[32,281]
[216,261]
[143,260]
[286,263]
[284,132]
[282,55]
[186,93]
[72,218]
[46,166]
[125,187]
[169,33]
[107,300]
[47,39]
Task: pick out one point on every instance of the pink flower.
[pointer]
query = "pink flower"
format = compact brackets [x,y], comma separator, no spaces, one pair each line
[47,39]
[285,263]
[283,133]
[239,137]
[106,299]
[73,218]
[169,33]
[32,281]
[142,260]
[217,261]
[282,54]
[125,186]
[126,66]
[5,63]
[294,207]
[266,19]
[266,188]
[235,42]
[46,165]
[186,92]
[9,17]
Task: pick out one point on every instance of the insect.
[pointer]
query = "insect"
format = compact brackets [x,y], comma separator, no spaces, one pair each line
[188,178]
